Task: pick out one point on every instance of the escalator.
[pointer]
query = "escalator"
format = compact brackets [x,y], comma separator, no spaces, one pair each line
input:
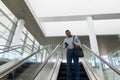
[98,66]
[23,72]
[2,62]
[14,68]
[63,72]
[3,52]
[91,67]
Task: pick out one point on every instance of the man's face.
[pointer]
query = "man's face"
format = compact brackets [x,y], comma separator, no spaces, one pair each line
[68,33]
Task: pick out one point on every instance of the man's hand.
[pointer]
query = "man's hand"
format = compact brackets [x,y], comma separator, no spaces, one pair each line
[73,43]
[66,45]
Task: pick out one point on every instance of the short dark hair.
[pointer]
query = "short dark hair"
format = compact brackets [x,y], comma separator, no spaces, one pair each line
[67,31]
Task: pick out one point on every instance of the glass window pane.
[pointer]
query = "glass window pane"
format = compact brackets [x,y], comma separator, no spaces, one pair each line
[29,42]
[24,30]
[2,41]
[30,36]
[6,10]
[6,34]
[3,31]
[21,42]
[5,21]
[22,36]
[36,43]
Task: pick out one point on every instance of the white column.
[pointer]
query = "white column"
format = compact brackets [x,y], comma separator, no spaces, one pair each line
[18,32]
[92,35]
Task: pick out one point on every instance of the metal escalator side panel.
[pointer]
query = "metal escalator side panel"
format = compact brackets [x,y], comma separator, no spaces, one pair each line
[56,70]
[90,72]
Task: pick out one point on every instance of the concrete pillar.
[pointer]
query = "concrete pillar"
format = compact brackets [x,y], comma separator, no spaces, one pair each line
[18,32]
[92,35]
[93,42]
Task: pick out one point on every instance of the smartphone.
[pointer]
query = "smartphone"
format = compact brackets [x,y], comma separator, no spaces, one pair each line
[66,43]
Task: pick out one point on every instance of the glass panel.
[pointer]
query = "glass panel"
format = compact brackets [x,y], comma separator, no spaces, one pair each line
[28,49]
[29,42]
[4,32]
[98,66]
[24,71]
[6,10]
[2,41]
[14,56]
[2,28]
[22,36]
[5,21]
[36,44]
[34,48]
[113,57]
[30,37]
[31,65]
[17,54]
[24,30]
[48,68]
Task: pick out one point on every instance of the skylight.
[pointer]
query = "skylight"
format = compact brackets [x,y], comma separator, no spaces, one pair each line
[48,8]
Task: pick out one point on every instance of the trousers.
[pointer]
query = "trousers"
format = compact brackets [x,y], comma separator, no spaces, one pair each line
[72,56]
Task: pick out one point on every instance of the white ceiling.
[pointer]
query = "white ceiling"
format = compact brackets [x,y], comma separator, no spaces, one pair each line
[57,8]
[102,27]
[58,28]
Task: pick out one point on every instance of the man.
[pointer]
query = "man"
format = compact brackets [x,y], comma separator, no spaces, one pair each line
[69,45]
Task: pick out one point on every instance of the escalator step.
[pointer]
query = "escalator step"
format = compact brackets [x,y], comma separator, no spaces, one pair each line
[63,72]
[65,78]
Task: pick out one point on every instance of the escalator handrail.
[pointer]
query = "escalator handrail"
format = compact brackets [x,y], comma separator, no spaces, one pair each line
[12,68]
[45,62]
[108,64]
